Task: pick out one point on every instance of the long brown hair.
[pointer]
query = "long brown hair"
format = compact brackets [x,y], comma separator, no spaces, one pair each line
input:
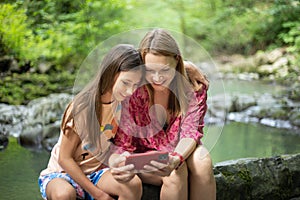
[160,42]
[87,105]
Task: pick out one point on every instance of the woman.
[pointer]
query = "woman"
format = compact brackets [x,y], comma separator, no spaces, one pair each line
[76,169]
[178,130]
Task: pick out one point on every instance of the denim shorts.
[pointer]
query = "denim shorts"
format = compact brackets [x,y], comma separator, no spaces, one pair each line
[80,193]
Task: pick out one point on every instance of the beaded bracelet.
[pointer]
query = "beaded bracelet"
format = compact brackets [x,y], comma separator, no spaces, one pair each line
[180,157]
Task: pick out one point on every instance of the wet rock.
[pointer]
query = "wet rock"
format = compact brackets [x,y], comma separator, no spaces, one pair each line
[8,63]
[242,102]
[3,142]
[50,135]
[11,119]
[31,137]
[259,178]
[273,178]
[295,116]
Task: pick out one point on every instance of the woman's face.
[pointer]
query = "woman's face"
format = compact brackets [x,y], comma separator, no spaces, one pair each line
[160,70]
[125,84]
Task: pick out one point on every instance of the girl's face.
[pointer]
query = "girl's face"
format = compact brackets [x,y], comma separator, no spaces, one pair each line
[125,84]
[160,70]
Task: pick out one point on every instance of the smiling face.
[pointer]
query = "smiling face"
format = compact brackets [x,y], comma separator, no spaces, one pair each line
[126,83]
[160,70]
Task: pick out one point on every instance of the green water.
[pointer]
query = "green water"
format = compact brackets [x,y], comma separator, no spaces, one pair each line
[245,87]
[239,140]
[20,167]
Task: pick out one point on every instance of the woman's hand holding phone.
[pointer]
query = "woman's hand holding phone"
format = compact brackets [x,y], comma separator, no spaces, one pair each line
[174,161]
[159,169]
[154,162]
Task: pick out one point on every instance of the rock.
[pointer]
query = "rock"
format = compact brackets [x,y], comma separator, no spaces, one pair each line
[259,178]
[50,135]
[283,61]
[252,178]
[3,141]
[260,58]
[11,118]
[31,136]
[44,67]
[274,55]
[282,72]
[266,69]
[8,63]
[295,117]
[241,102]
[248,76]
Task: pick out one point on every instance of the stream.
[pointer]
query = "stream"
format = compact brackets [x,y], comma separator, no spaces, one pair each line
[20,167]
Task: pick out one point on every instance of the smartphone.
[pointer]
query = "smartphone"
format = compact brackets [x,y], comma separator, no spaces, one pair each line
[139,160]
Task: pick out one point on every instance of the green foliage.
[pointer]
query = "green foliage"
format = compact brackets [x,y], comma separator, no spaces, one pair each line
[292,36]
[64,32]
[21,88]
[67,30]
[98,20]
[60,31]
[16,38]
[277,14]
[240,26]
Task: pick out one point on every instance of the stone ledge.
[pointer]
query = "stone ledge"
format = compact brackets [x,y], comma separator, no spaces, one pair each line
[253,178]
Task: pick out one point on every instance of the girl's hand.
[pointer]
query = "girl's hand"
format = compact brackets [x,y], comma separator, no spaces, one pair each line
[120,171]
[196,76]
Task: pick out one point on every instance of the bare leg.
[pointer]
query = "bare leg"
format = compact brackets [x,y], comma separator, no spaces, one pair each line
[175,186]
[202,184]
[129,190]
[60,189]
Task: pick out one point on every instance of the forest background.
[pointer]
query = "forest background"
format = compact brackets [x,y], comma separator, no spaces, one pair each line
[59,34]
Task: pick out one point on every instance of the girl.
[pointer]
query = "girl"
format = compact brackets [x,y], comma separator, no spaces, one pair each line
[76,168]
[189,173]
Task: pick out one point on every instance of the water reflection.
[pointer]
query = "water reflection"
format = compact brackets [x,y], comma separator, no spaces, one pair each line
[240,140]
[232,86]
[19,170]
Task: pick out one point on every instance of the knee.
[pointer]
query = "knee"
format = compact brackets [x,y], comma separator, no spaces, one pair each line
[62,195]
[177,179]
[201,166]
[136,183]
[60,189]
[200,161]
[134,187]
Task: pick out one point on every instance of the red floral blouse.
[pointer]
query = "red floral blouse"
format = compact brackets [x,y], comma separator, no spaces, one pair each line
[139,131]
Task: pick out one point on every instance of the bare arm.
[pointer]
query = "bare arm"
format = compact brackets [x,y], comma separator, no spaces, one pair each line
[185,147]
[68,146]
[192,125]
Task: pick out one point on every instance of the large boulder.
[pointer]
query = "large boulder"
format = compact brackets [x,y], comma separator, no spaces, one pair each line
[259,178]
[252,178]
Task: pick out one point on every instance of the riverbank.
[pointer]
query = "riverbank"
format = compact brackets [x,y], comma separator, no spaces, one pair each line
[21,85]
[37,123]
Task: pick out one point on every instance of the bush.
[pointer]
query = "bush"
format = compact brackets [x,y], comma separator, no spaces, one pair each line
[16,39]
[21,88]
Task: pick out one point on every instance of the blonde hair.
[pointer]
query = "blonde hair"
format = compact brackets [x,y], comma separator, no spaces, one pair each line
[160,42]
